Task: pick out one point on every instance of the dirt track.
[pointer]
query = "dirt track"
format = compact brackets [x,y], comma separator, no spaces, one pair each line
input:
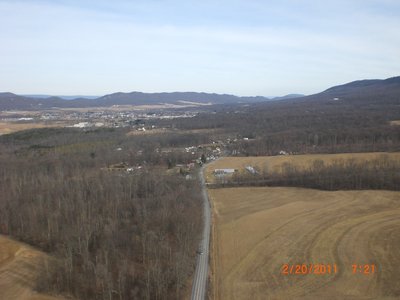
[19,268]
[257,230]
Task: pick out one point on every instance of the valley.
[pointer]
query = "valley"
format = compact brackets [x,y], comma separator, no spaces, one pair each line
[113,194]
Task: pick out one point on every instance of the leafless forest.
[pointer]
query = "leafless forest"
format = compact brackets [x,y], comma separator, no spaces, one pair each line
[116,235]
[359,122]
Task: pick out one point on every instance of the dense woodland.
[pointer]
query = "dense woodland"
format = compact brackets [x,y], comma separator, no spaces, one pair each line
[117,235]
[359,122]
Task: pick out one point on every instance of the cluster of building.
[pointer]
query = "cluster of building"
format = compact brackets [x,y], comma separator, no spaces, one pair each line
[117,119]
[97,117]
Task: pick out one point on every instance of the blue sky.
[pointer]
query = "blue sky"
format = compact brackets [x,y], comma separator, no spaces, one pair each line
[240,47]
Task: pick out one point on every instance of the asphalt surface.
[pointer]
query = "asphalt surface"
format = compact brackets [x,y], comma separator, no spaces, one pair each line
[199,288]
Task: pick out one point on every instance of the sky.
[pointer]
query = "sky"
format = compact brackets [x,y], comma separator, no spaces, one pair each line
[241,47]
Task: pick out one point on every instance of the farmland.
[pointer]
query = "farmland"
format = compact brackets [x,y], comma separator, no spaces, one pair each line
[9,127]
[20,266]
[257,230]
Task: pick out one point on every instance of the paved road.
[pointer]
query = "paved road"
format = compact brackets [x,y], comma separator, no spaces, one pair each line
[199,288]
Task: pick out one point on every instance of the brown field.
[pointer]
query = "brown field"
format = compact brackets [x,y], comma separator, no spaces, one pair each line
[166,130]
[19,269]
[10,127]
[257,230]
[148,132]
[274,163]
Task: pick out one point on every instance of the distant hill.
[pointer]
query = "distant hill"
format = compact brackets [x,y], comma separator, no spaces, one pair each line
[359,116]
[362,91]
[9,101]
[62,97]
[290,96]
[138,98]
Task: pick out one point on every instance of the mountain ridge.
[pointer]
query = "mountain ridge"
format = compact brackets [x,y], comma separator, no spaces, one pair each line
[359,88]
[367,84]
[10,101]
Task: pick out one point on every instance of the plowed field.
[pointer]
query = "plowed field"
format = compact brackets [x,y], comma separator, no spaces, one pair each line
[20,266]
[258,230]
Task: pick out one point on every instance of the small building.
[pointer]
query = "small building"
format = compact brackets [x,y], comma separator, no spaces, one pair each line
[251,170]
[282,152]
[224,171]
[81,125]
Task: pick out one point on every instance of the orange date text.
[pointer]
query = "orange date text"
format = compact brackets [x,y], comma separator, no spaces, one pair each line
[307,269]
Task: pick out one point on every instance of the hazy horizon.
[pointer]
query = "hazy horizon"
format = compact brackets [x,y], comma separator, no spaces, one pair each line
[72,96]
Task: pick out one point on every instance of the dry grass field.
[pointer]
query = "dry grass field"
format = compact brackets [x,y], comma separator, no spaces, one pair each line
[257,230]
[148,132]
[165,131]
[19,268]
[10,127]
[274,163]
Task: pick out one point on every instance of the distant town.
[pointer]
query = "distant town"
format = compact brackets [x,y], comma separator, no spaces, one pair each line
[94,118]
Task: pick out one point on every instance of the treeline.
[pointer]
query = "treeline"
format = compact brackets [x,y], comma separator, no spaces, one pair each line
[381,173]
[116,235]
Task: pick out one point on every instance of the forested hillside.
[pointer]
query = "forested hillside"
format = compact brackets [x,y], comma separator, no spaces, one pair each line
[359,120]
